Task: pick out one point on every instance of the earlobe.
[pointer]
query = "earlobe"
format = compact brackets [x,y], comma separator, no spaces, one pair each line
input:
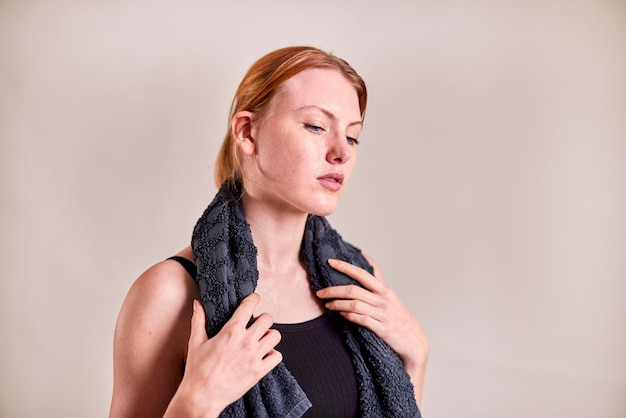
[241,125]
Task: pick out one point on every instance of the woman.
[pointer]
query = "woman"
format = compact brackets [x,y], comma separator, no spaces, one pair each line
[281,317]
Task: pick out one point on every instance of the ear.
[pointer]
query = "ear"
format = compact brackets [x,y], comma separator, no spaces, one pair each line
[241,125]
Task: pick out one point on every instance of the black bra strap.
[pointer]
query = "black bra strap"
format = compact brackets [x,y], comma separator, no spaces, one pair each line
[187,264]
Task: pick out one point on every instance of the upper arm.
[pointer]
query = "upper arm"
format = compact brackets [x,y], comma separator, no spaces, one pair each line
[150,342]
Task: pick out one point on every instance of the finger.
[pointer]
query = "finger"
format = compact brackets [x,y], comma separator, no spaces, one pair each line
[269,341]
[357,273]
[356,307]
[244,311]
[365,321]
[260,325]
[198,333]
[271,360]
[351,292]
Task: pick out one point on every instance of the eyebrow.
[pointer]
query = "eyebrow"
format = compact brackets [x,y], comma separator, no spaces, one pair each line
[328,113]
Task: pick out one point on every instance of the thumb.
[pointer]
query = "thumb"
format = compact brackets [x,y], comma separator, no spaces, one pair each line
[198,331]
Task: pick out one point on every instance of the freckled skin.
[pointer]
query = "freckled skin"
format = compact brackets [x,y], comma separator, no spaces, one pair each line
[305,135]
[297,158]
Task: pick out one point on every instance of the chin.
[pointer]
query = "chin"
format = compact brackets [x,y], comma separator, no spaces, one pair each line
[321,213]
[322,209]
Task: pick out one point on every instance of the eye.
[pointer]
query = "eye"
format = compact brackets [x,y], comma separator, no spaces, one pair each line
[352,141]
[313,128]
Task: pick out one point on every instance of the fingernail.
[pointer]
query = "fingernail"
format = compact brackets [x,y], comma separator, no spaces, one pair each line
[332,261]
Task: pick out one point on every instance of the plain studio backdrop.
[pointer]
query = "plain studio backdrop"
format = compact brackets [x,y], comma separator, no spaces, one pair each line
[491,183]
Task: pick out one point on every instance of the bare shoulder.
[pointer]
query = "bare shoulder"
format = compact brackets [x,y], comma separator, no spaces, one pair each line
[167,281]
[158,297]
[151,336]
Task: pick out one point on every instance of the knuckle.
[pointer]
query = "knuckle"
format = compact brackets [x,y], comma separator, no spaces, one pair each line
[228,331]
[263,321]
[386,292]
[351,290]
[247,344]
[257,371]
[354,305]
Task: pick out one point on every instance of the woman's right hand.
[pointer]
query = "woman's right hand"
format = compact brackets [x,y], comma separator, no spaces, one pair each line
[222,369]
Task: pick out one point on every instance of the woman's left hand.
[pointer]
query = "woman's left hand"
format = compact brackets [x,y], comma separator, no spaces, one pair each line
[377,307]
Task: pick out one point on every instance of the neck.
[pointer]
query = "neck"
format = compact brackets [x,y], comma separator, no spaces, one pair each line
[277,234]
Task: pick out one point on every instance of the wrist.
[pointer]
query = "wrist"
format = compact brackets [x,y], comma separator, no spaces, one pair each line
[185,404]
[416,359]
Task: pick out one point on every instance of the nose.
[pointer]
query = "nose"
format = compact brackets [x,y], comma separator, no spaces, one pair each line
[339,151]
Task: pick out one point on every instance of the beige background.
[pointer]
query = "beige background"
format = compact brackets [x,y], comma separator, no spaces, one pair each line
[491,185]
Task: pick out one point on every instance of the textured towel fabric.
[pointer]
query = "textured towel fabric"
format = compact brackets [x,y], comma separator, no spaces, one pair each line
[227,272]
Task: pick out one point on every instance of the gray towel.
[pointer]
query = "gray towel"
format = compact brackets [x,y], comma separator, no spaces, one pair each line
[227,272]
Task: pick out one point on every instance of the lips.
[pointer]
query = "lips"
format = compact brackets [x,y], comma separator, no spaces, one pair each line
[331,181]
[338,177]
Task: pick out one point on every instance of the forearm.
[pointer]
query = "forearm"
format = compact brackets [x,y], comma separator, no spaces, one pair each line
[417,373]
[183,405]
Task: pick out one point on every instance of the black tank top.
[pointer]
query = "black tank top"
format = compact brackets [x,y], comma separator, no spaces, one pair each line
[315,354]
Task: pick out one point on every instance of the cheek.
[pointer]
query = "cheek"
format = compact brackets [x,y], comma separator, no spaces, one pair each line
[290,153]
[279,159]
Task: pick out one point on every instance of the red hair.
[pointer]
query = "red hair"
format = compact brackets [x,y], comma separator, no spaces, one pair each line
[262,82]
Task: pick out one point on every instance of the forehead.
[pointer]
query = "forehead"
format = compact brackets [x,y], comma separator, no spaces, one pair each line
[328,89]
